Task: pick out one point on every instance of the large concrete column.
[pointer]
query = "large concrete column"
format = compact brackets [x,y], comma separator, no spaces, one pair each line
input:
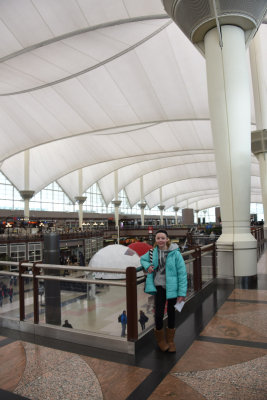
[229,102]
[221,31]
[258,147]
[142,207]
[176,209]
[142,203]
[196,212]
[80,198]
[51,255]
[259,137]
[161,206]
[117,204]
[26,194]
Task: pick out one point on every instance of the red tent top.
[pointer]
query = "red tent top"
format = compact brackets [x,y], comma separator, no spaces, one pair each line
[140,247]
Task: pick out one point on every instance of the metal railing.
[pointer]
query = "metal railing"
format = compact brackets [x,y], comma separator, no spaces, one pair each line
[258,233]
[37,272]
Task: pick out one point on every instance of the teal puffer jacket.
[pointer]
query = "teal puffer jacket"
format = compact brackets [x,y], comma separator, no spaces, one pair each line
[176,275]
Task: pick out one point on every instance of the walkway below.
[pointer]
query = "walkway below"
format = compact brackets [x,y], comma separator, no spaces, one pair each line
[221,354]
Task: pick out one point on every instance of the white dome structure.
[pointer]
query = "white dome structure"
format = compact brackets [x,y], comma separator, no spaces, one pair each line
[114,256]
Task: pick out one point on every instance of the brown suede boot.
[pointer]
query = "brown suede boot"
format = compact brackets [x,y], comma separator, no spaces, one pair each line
[169,337]
[160,338]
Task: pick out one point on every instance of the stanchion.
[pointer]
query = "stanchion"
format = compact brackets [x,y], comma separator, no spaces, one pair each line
[51,255]
[131,303]
[197,270]
[35,271]
[21,291]
[214,272]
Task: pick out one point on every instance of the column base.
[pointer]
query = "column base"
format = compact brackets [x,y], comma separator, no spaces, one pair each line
[236,258]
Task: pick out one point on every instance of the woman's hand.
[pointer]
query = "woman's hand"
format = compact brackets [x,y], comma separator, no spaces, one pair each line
[150,269]
[180,298]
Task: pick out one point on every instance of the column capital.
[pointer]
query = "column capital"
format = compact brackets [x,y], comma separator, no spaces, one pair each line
[195,22]
[142,206]
[80,199]
[259,141]
[161,207]
[26,194]
[116,203]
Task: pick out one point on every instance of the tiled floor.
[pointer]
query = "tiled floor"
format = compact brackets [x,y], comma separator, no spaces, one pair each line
[221,354]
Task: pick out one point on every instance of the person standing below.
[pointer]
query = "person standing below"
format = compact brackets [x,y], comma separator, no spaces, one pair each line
[143,319]
[123,323]
[167,280]
[67,324]
[10,292]
[212,236]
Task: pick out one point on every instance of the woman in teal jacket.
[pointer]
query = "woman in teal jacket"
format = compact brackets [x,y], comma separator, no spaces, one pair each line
[167,280]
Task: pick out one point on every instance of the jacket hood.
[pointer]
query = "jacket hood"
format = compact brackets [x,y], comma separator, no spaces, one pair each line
[173,246]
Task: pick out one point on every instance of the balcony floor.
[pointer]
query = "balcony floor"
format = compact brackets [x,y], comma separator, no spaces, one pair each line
[221,354]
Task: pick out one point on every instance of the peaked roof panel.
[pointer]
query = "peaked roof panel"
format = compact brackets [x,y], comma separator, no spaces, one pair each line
[104,86]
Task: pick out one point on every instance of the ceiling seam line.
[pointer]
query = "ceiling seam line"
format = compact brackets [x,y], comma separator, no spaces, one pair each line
[86,70]
[77,33]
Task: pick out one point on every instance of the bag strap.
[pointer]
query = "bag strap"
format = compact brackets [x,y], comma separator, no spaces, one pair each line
[151,255]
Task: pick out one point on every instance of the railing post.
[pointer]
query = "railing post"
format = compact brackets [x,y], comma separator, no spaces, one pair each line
[214,271]
[131,304]
[21,292]
[259,242]
[35,271]
[197,270]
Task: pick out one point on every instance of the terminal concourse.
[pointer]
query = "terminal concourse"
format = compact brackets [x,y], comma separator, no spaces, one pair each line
[117,118]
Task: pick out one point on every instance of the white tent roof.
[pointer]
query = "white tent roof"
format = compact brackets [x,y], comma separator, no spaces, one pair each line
[103,86]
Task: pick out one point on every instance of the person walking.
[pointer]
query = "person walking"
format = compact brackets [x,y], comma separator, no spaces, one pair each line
[143,319]
[123,323]
[167,280]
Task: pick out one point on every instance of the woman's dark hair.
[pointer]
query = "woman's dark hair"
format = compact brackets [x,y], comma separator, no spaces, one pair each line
[162,231]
